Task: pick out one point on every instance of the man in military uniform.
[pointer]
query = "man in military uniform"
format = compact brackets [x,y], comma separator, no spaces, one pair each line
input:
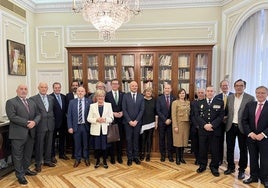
[209,114]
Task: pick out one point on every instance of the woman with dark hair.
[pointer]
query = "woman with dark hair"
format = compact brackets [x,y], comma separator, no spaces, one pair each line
[180,112]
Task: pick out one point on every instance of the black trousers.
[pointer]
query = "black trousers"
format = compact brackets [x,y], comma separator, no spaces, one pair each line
[204,142]
[230,141]
[165,139]
[195,142]
[61,133]
[147,140]
[132,138]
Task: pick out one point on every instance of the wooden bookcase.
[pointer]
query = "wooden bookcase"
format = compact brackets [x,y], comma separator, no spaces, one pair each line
[187,67]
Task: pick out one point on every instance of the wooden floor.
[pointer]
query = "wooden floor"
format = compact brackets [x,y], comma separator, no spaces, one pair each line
[149,174]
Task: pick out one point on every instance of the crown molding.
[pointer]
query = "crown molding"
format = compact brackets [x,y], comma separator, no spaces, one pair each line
[43,6]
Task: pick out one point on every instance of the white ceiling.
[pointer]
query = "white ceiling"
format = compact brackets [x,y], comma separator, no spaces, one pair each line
[39,6]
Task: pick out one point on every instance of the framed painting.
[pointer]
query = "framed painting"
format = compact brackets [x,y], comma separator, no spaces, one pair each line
[16,58]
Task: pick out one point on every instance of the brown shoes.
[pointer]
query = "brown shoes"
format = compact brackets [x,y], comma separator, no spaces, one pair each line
[76,163]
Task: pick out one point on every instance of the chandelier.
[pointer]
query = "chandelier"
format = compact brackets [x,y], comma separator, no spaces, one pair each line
[107,15]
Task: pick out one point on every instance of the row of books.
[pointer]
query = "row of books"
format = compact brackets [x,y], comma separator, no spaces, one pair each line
[77,60]
[92,61]
[128,60]
[147,60]
[77,74]
[128,73]
[147,73]
[110,73]
[92,74]
[184,74]
[165,74]
[184,61]
[165,60]
[184,86]
[110,60]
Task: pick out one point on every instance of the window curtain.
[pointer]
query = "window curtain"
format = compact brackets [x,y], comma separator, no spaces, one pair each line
[250,60]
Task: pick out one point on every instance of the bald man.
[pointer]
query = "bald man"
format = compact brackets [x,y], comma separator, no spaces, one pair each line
[45,128]
[23,116]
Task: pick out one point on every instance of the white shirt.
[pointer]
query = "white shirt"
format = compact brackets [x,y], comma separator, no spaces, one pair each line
[237,104]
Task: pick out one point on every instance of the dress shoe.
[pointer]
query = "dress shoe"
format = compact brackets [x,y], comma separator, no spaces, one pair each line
[63,157]
[129,162]
[201,169]
[49,164]
[241,175]
[97,165]
[147,158]
[87,162]
[250,180]
[38,168]
[183,161]
[30,173]
[142,157]
[137,161]
[229,171]
[163,158]
[76,163]
[196,162]
[54,160]
[171,159]
[119,160]
[105,164]
[112,160]
[215,173]
[22,181]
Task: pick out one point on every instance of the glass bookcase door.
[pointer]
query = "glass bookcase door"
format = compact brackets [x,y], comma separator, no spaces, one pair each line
[201,70]
[92,72]
[110,72]
[146,71]
[77,68]
[128,73]
[165,71]
[184,72]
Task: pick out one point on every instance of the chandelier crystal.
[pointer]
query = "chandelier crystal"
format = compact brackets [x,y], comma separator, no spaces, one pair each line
[107,15]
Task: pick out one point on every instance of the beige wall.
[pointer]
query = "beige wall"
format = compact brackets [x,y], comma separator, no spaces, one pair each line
[46,36]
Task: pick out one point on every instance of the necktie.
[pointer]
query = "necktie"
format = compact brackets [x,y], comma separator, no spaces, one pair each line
[45,102]
[26,105]
[133,98]
[59,100]
[257,116]
[167,100]
[209,101]
[80,116]
[115,98]
[224,100]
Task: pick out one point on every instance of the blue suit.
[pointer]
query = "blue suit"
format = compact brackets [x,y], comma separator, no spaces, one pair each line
[132,111]
[80,131]
[165,131]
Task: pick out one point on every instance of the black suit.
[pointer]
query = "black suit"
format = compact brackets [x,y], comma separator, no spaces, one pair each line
[22,138]
[60,124]
[116,108]
[69,139]
[213,114]
[132,111]
[194,131]
[165,131]
[258,151]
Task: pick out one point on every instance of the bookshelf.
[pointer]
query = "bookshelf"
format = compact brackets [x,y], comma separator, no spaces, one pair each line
[187,67]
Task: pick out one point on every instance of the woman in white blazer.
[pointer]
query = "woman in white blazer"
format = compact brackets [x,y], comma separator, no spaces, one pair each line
[100,116]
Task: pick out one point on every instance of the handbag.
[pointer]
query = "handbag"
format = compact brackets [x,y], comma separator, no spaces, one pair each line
[113,133]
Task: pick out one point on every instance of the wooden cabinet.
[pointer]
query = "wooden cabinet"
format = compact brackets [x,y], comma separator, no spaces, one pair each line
[187,67]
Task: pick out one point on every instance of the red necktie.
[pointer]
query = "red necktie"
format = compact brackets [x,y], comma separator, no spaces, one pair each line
[258,113]
[167,100]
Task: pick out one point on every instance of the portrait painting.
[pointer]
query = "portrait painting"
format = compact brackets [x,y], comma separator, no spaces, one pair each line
[16,58]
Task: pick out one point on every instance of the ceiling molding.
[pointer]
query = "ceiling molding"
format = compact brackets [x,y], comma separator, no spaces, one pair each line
[42,6]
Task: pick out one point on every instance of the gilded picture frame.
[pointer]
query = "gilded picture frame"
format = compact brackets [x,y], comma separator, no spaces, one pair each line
[16,58]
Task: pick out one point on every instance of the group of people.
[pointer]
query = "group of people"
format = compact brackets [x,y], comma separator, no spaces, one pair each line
[35,123]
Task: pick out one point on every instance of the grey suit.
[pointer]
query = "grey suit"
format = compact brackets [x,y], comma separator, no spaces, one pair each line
[234,129]
[44,130]
[19,134]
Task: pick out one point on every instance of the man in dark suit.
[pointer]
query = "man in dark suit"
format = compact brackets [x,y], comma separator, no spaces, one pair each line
[209,114]
[23,116]
[59,110]
[163,109]
[255,124]
[201,94]
[115,97]
[133,108]
[224,85]
[234,128]
[70,96]
[45,128]
[78,126]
